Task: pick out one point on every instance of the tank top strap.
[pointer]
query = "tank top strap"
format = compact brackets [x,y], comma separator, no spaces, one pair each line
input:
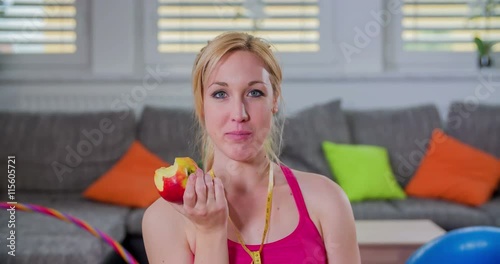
[294,186]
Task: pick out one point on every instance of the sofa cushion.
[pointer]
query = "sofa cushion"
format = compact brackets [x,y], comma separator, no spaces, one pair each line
[134,221]
[130,181]
[454,171]
[374,180]
[476,125]
[108,218]
[63,151]
[404,132]
[44,239]
[492,207]
[43,249]
[169,133]
[304,132]
[446,214]
[367,210]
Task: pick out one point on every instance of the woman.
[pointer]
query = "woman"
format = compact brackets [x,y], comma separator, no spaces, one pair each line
[255,209]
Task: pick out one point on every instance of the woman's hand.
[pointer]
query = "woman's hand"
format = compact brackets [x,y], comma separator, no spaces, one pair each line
[205,203]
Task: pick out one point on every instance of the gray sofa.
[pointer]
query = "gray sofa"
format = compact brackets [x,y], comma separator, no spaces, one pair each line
[54,167]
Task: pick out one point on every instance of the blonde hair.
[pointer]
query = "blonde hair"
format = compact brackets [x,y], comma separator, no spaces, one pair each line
[205,63]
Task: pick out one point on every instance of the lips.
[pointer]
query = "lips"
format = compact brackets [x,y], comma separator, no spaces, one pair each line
[239,135]
[240,132]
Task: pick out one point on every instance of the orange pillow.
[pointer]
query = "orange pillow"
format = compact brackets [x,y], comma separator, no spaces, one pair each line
[130,181]
[454,171]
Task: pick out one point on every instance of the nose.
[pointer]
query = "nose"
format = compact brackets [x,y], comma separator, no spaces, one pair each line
[239,113]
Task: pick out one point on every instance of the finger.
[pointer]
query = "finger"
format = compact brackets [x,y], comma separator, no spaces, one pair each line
[210,189]
[189,193]
[220,196]
[201,189]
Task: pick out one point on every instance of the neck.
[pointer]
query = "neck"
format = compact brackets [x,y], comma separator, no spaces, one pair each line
[242,176]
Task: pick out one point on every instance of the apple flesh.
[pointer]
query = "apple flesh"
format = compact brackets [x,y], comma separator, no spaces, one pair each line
[171,181]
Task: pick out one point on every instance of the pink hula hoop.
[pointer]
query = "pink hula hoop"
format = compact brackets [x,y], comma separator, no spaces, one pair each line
[78,222]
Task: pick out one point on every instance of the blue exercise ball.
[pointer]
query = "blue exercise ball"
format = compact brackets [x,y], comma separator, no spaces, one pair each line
[477,245]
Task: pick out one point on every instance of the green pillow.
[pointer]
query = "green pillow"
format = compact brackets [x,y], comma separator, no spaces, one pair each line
[363,171]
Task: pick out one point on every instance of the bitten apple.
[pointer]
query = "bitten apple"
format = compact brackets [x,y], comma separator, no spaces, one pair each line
[171,181]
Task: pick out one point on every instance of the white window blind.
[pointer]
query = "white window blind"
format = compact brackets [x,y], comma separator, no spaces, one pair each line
[186,26]
[38,27]
[448,25]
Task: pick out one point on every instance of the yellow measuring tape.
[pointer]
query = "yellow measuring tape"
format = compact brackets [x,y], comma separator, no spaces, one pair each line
[255,255]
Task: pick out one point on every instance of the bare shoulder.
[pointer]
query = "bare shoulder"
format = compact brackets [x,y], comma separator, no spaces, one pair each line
[164,233]
[320,189]
[328,203]
[160,211]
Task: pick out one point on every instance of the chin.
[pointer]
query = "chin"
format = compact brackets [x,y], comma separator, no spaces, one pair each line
[240,153]
[240,156]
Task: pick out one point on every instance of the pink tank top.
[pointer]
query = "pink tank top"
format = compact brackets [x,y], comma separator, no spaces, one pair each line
[304,245]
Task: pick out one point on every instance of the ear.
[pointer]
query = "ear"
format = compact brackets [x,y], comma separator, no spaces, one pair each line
[275,105]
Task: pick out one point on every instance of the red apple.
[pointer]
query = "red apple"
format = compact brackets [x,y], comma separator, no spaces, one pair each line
[171,181]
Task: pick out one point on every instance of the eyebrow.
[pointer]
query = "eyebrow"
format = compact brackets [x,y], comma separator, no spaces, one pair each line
[226,85]
[219,83]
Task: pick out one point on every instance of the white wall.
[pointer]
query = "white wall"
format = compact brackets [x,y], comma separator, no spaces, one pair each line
[356,92]
[363,80]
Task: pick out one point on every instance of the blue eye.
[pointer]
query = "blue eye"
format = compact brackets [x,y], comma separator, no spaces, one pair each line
[218,94]
[256,93]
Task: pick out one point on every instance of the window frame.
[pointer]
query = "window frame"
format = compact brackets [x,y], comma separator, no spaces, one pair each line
[80,57]
[181,64]
[399,59]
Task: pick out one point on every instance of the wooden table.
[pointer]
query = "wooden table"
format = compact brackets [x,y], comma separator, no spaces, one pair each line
[393,241]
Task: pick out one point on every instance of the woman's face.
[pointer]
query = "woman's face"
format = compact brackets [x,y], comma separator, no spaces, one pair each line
[238,104]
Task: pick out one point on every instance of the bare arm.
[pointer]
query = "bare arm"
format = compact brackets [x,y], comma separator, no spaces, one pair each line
[204,210]
[211,248]
[164,235]
[339,229]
